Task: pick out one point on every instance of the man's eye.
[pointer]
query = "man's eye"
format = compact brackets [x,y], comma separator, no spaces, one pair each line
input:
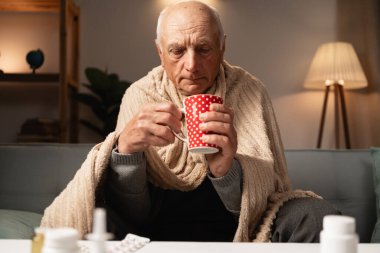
[204,50]
[176,51]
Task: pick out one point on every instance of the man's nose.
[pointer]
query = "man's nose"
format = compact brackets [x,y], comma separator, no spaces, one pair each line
[191,61]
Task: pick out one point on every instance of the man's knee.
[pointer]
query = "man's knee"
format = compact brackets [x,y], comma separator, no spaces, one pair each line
[301,220]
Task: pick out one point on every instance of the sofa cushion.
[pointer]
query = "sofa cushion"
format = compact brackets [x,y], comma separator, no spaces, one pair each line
[32,175]
[375,152]
[18,224]
[342,177]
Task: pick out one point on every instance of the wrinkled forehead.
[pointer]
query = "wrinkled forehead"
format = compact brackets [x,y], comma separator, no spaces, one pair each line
[189,21]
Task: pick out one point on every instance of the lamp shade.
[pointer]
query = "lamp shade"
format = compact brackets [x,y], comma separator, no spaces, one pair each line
[336,62]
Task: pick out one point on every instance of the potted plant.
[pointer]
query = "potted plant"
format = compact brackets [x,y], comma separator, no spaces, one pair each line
[106,92]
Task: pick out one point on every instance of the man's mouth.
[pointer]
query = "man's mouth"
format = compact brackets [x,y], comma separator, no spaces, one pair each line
[193,79]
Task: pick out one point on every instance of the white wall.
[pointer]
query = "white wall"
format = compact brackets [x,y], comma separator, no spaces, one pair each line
[273,39]
[276,40]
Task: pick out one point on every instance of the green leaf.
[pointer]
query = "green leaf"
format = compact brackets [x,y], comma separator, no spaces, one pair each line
[117,92]
[100,112]
[111,121]
[94,103]
[107,92]
[113,78]
[99,81]
[114,112]
[88,99]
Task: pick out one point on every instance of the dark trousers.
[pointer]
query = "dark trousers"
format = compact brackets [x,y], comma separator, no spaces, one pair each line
[300,220]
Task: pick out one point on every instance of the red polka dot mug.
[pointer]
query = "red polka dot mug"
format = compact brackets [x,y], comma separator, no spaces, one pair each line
[193,107]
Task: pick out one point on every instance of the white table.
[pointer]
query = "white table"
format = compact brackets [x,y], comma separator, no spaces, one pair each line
[209,247]
[24,246]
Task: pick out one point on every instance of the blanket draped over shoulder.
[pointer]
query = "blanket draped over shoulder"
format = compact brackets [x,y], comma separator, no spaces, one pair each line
[266,185]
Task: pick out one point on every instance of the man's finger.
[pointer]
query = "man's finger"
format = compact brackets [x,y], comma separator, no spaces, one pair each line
[169,108]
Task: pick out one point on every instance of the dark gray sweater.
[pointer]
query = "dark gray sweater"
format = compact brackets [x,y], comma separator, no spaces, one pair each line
[132,196]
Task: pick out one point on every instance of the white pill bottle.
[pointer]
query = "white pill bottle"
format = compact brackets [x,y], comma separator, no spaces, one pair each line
[61,240]
[338,235]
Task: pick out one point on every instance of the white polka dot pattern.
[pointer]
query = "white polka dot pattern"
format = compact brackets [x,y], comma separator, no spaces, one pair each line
[195,105]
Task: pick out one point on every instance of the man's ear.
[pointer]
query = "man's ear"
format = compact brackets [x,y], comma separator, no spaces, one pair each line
[224,43]
[159,52]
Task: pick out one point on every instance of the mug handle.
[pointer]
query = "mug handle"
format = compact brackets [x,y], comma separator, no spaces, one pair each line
[183,137]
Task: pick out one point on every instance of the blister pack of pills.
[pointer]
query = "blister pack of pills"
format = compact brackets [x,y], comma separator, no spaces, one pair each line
[131,243]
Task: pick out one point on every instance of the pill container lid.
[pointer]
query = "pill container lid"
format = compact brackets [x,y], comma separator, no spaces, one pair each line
[66,238]
[338,224]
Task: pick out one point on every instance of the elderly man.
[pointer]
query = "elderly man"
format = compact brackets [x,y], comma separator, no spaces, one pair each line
[153,186]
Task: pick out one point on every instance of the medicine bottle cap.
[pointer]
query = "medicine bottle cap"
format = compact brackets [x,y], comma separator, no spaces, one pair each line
[61,240]
[336,224]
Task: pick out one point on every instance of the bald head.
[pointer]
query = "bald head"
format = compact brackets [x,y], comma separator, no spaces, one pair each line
[185,14]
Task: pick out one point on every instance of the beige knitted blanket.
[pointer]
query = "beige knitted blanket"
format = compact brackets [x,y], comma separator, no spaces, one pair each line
[266,185]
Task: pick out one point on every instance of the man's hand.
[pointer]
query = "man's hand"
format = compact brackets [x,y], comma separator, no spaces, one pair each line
[219,122]
[152,126]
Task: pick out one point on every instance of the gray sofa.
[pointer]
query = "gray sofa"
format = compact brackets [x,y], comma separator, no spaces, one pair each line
[32,175]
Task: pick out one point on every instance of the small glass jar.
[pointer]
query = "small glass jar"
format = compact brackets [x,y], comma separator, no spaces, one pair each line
[38,240]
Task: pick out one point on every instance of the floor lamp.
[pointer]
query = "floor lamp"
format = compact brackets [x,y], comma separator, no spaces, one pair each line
[335,66]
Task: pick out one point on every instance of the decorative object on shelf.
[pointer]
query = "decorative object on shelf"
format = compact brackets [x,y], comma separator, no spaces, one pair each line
[107,92]
[39,130]
[335,66]
[35,59]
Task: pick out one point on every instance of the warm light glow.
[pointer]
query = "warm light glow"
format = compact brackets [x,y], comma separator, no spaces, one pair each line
[336,62]
[13,59]
[23,32]
[212,3]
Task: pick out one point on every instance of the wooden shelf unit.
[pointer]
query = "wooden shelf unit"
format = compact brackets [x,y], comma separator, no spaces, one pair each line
[24,77]
[31,5]
[68,76]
